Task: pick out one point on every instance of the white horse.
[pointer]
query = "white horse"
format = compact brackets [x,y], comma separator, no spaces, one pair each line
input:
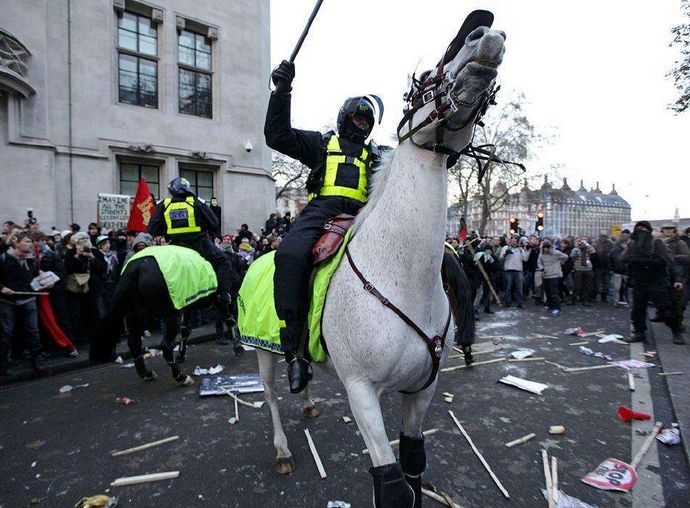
[372,350]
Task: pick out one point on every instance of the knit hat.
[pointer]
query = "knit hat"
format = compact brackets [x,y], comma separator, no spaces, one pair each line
[144,238]
[79,235]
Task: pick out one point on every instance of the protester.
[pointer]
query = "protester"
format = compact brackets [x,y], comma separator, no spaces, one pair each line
[582,268]
[549,263]
[513,257]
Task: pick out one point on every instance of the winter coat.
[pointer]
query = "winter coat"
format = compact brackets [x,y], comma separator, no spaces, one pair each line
[17,273]
[649,261]
[551,263]
[513,257]
[581,258]
[616,262]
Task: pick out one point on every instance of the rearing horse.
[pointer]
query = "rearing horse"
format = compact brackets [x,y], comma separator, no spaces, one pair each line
[373,348]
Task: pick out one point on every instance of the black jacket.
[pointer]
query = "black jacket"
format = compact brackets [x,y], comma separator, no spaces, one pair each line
[308,147]
[16,275]
[650,263]
[203,215]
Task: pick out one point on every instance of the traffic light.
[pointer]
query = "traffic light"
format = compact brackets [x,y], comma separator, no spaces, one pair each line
[540,222]
[513,225]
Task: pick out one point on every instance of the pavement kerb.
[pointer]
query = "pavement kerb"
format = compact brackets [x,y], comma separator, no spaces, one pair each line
[83,361]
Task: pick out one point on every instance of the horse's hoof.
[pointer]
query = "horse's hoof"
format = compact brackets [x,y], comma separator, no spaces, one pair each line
[239,351]
[310,411]
[187,381]
[150,376]
[285,465]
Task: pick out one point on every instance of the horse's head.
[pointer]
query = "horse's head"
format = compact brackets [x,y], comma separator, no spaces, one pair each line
[444,104]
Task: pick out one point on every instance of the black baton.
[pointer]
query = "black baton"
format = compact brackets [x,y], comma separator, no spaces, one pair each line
[298,46]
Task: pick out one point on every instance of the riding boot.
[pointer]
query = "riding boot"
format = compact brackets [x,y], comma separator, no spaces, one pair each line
[390,488]
[467,351]
[413,463]
[299,369]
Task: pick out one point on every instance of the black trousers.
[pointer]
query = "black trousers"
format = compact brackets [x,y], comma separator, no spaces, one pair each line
[294,264]
[656,291]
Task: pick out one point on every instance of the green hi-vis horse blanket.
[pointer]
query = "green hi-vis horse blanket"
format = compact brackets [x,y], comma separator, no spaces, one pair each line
[189,277]
[257,318]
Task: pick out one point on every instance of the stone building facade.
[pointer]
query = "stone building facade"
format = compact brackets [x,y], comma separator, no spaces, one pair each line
[566,211]
[96,94]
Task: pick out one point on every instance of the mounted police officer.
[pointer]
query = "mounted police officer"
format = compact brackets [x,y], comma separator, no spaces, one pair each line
[338,183]
[186,221]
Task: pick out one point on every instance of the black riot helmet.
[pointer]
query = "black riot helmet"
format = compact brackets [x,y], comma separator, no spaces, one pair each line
[179,187]
[357,116]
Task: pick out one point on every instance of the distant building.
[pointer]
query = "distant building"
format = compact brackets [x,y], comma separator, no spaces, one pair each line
[292,200]
[566,211]
[96,94]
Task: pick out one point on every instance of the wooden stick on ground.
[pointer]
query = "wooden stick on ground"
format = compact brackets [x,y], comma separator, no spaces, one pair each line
[315,454]
[144,446]
[237,399]
[670,373]
[554,480]
[547,477]
[590,334]
[479,455]
[535,359]
[579,343]
[237,413]
[579,369]
[440,499]
[645,446]
[631,381]
[448,369]
[521,440]
[396,442]
[153,477]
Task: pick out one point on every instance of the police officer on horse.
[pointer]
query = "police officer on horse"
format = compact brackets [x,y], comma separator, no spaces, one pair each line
[340,166]
[186,221]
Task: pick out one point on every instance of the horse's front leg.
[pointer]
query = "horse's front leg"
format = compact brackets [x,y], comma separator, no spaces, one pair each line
[136,330]
[185,332]
[412,454]
[309,407]
[172,327]
[267,367]
[390,488]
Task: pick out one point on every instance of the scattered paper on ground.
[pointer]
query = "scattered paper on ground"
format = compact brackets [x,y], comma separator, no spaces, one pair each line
[69,388]
[633,364]
[522,353]
[612,337]
[612,474]
[563,500]
[524,384]
[211,370]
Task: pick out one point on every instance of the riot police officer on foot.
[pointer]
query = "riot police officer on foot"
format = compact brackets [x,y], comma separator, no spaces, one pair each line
[338,183]
[186,221]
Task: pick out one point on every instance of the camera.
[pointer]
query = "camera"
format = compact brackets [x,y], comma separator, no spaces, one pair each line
[30,213]
[248,147]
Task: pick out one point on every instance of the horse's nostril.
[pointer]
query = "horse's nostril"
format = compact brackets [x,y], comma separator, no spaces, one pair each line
[477,33]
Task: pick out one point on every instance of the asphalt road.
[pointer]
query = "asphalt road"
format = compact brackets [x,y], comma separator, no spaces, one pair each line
[55,447]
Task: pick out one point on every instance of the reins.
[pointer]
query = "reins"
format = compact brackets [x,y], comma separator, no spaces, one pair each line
[434,344]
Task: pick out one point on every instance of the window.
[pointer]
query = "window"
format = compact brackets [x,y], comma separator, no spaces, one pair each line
[131,173]
[194,60]
[201,182]
[137,42]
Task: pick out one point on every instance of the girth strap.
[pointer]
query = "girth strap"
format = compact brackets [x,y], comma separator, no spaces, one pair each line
[434,344]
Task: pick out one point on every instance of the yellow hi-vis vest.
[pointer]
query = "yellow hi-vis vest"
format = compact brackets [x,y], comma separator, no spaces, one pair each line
[179,216]
[344,175]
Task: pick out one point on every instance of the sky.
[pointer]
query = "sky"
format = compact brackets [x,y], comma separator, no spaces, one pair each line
[593,73]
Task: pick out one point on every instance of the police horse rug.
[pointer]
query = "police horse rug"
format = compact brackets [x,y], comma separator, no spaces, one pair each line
[158,282]
[386,320]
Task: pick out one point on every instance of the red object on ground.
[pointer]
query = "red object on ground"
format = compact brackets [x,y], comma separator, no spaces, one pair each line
[626,414]
[142,208]
[47,319]
[125,401]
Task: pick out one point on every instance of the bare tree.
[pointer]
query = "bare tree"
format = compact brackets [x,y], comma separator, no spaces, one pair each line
[681,73]
[510,131]
[288,173]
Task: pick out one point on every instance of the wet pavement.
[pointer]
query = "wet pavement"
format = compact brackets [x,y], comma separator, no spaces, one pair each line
[55,447]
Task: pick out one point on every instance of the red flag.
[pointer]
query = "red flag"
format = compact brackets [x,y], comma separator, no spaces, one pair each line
[142,208]
[462,234]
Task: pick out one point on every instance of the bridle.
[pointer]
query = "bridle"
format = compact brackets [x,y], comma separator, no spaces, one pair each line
[441,89]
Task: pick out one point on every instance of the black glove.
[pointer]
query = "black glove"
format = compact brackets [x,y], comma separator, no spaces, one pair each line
[282,77]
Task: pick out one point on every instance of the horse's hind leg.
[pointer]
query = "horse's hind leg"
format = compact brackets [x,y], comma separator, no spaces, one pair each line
[135,347]
[390,488]
[267,367]
[172,327]
[185,332]
[412,454]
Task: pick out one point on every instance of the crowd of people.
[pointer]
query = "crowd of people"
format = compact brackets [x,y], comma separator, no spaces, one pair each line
[88,265]
[509,270]
[512,269]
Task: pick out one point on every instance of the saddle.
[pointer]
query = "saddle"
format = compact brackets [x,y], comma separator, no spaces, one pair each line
[332,238]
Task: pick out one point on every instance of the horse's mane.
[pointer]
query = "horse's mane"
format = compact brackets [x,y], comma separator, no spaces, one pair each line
[377,185]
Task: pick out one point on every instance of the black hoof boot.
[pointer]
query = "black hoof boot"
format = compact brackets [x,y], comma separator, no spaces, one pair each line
[390,488]
[467,351]
[413,464]
[299,374]
[144,373]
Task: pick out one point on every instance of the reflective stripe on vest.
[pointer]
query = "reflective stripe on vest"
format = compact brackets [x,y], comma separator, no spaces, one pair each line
[179,216]
[345,175]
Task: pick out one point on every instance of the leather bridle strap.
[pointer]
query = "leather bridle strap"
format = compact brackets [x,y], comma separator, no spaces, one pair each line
[434,344]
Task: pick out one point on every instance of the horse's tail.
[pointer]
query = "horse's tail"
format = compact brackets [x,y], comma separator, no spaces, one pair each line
[109,329]
[460,296]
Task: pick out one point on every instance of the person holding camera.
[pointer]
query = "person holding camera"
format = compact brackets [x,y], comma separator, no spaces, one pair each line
[18,310]
[513,257]
[78,259]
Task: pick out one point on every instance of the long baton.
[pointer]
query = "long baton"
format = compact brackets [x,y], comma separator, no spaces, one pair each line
[305,31]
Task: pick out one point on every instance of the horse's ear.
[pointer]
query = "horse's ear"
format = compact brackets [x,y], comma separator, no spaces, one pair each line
[474,20]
